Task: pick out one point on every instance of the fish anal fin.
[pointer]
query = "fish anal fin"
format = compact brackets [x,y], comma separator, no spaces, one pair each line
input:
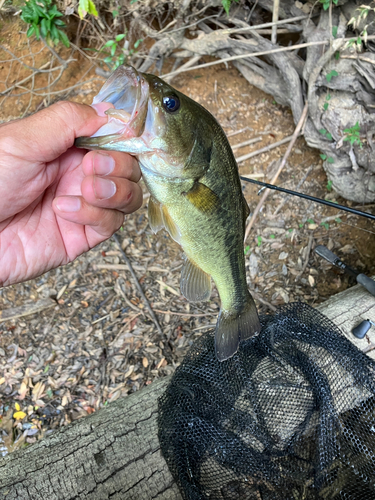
[233,327]
[170,225]
[195,284]
[203,198]
[155,216]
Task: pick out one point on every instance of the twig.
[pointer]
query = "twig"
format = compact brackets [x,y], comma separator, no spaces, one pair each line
[362,58]
[275,18]
[282,164]
[297,187]
[26,309]
[247,143]
[257,175]
[236,132]
[144,298]
[183,68]
[263,301]
[309,245]
[240,159]
[264,53]
[185,314]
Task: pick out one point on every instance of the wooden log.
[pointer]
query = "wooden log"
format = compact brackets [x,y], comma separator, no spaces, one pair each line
[115,452]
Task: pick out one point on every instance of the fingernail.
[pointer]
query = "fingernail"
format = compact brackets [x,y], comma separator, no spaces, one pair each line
[104,188]
[101,107]
[103,163]
[68,204]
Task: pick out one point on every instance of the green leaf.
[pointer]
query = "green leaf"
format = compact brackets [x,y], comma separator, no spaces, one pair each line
[64,38]
[325,224]
[325,106]
[310,221]
[329,136]
[120,37]
[30,31]
[330,159]
[137,43]
[331,74]
[108,60]
[338,220]
[259,240]
[335,1]
[337,55]
[113,49]
[272,236]
[109,43]
[329,185]
[323,157]
[328,97]
[226,4]
[115,13]
[323,131]
[92,9]
[334,31]
[247,249]
[44,27]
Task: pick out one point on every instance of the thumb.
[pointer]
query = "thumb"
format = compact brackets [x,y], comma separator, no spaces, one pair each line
[50,132]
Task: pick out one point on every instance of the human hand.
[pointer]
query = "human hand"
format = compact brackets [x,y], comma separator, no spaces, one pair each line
[57,201]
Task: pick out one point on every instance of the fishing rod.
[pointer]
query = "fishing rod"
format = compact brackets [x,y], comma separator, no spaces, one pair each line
[308,197]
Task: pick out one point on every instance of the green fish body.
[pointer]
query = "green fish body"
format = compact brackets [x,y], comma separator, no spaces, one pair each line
[191,173]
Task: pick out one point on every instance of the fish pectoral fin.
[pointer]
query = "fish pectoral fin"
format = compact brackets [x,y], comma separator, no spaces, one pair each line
[195,284]
[203,198]
[235,326]
[155,217]
[170,225]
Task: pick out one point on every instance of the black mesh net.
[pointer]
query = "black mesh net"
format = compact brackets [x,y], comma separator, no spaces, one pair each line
[290,416]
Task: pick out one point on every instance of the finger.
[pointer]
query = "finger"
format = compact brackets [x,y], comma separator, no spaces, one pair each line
[113,163]
[112,192]
[75,209]
[50,132]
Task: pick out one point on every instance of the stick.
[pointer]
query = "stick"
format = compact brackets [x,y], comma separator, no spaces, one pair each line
[282,164]
[264,53]
[247,143]
[26,309]
[275,18]
[240,159]
[144,298]
[183,68]
[185,314]
[26,79]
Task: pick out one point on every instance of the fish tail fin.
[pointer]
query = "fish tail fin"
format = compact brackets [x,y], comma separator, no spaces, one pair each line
[233,327]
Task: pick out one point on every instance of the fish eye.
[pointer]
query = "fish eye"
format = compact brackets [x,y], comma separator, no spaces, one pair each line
[171,103]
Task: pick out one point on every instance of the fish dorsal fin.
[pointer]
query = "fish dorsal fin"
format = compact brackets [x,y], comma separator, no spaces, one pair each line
[155,216]
[195,284]
[170,225]
[203,198]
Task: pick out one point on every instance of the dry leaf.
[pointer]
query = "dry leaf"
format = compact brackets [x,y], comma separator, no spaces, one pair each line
[145,362]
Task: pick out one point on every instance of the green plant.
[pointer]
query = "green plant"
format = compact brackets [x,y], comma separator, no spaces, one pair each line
[44,20]
[334,31]
[118,55]
[259,240]
[352,135]
[325,224]
[86,7]
[226,4]
[331,74]
[247,249]
[323,131]
[327,3]
[329,158]
[326,104]
[329,185]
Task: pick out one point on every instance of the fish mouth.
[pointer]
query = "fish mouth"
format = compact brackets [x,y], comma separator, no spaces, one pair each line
[128,91]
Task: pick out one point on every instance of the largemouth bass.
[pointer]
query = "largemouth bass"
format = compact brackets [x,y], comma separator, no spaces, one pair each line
[189,168]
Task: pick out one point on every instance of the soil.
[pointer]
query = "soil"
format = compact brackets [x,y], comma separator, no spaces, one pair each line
[96,341]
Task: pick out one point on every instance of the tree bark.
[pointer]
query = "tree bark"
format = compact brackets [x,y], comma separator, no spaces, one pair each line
[115,452]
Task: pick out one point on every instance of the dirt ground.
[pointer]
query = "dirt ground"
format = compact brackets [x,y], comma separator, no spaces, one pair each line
[91,339]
